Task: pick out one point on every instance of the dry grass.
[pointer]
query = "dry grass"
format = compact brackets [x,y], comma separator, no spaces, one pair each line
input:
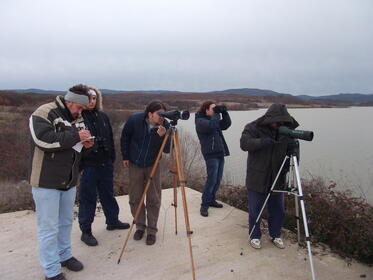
[15,196]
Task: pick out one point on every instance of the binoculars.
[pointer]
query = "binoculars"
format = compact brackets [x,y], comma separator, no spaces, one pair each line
[220,109]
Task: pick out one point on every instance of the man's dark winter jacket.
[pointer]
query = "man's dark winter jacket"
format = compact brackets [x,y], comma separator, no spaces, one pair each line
[264,163]
[54,163]
[138,144]
[98,123]
[209,131]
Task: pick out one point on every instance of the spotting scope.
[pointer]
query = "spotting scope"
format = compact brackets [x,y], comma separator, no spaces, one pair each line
[297,134]
[175,115]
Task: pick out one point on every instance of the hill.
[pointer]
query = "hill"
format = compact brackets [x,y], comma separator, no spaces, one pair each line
[251,91]
[344,97]
[241,98]
[355,98]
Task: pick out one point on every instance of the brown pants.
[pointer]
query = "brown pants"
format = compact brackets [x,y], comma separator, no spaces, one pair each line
[138,178]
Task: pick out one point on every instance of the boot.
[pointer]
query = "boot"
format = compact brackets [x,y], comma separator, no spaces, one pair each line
[60,276]
[118,225]
[88,238]
[72,264]
[204,211]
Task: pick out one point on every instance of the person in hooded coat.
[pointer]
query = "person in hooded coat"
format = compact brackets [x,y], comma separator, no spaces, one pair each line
[266,152]
[97,171]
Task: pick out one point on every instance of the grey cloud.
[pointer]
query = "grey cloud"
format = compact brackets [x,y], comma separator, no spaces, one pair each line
[299,47]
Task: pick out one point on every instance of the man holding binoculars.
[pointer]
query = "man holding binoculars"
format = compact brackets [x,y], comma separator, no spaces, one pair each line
[209,126]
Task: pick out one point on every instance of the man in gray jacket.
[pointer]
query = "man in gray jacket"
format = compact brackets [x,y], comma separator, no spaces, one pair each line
[266,152]
[56,155]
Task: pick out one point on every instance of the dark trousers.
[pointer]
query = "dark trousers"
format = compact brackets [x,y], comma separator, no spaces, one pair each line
[214,167]
[93,180]
[276,213]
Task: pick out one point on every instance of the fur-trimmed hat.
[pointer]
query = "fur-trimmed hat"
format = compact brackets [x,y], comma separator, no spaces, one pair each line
[94,90]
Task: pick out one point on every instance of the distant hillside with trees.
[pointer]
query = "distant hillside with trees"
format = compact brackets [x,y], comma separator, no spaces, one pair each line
[235,99]
[342,99]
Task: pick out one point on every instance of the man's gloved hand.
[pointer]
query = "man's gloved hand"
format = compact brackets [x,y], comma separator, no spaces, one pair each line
[267,142]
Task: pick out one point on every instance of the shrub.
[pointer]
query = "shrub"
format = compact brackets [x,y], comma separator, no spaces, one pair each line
[338,219]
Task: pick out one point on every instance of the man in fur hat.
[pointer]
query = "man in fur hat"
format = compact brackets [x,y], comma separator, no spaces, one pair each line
[97,171]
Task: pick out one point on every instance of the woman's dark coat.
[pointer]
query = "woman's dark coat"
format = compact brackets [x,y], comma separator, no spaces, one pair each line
[209,131]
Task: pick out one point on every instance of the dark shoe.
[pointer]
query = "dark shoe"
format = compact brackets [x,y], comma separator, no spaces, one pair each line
[150,239]
[204,211]
[57,277]
[118,225]
[216,204]
[89,239]
[72,264]
[138,234]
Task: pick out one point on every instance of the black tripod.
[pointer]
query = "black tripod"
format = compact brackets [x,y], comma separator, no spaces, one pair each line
[178,180]
[294,188]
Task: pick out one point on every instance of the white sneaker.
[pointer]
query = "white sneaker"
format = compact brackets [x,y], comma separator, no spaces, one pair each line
[255,243]
[278,243]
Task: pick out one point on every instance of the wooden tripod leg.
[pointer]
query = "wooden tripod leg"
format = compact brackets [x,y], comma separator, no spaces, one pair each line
[182,184]
[175,200]
[154,169]
[173,171]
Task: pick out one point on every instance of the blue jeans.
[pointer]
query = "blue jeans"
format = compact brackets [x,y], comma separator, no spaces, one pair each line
[54,212]
[276,213]
[214,168]
[97,179]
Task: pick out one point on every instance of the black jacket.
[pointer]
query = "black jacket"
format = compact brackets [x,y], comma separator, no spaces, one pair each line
[263,163]
[103,150]
[138,144]
[210,135]
[55,163]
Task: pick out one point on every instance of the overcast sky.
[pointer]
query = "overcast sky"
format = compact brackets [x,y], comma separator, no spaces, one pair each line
[313,47]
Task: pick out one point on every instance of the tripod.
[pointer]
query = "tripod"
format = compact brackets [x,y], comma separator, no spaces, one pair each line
[178,179]
[294,188]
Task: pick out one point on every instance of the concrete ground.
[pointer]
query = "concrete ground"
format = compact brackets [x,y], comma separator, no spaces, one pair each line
[220,250]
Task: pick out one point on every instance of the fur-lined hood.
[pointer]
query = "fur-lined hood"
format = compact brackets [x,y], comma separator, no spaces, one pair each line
[99,106]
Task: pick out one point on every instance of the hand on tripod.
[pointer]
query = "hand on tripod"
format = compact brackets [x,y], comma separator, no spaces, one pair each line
[161,131]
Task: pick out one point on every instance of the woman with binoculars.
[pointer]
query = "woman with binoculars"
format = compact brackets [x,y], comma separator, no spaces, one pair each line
[210,121]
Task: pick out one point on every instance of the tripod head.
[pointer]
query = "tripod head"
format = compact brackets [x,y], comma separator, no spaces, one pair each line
[173,123]
[293,148]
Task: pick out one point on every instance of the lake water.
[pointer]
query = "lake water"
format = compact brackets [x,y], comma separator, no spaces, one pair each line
[341,150]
